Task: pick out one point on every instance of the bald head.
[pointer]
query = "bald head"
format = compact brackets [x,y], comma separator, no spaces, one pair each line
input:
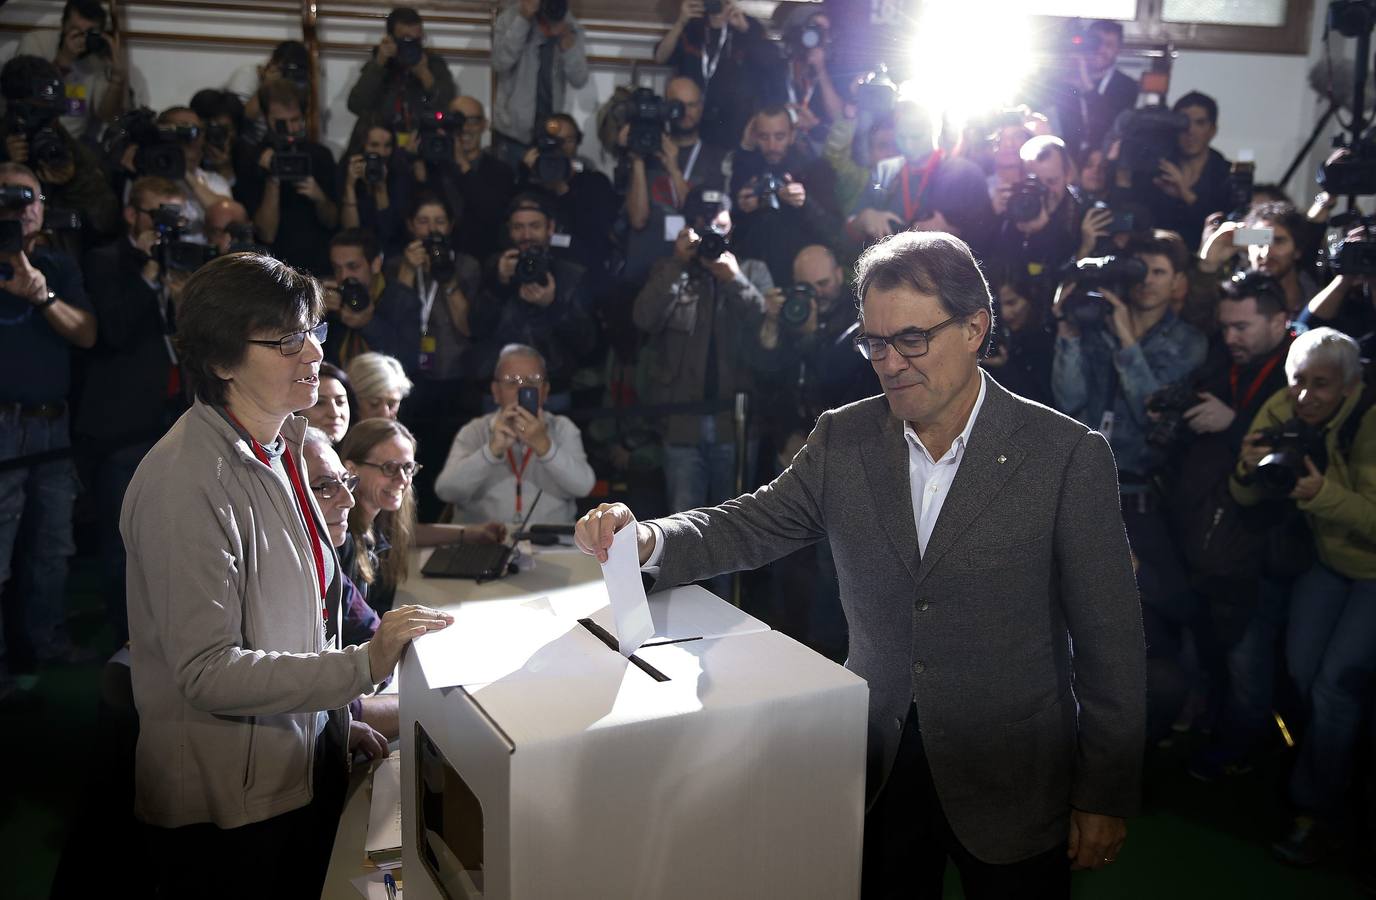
[468,107]
[475,123]
[687,92]
[218,219]
[817,266]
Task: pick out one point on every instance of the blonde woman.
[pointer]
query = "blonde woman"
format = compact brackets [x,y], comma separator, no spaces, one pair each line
[380,384]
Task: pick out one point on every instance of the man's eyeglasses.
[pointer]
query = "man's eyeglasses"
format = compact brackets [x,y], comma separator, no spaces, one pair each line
[393,469]
[910,342]
[292,343]
[522,380]
[328,488]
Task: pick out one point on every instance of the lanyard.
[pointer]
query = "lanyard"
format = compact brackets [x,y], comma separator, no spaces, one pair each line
[302,506]
[1251,394]
[519,473]
[427,300]
[807,95]
[710,63]
[911,209]
[687,172]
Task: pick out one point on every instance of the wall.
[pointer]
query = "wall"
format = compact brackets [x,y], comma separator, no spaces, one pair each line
[1265,103]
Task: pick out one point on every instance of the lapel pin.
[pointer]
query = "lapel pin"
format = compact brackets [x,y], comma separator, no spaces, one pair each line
[1002,459]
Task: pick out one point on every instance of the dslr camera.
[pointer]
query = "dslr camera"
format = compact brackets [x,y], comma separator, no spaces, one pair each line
[354,294]
[34,116]
[1027,200]
[436,138]
[1086,306]
[409,52]
[289,161]
[551,165]
[13,197]
[647,115]
[532,266]
[1290,442]
[443,263]
[766,186]
[554,10]
[172,251]
[798,304]
[1149,136]
[374,168]
[712,245]
[1167,426]
[159,148]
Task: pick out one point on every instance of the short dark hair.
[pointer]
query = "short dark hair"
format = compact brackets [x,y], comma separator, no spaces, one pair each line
[1163,243]
[424,198]
[211,103]
[1303,232]
[528,200]
[402,15]
[1202,100]
[152,186]
[361,238]
[1108,26]
[19,74]
[1256,284]
[91,10]
[225,302]
[773,111]
[281,92]
[565,117]
[292,53]
[166,115]
[931,262]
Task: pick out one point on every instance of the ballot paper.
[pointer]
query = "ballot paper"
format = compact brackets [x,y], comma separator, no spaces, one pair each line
[383,845]
[631,613]
[465,652]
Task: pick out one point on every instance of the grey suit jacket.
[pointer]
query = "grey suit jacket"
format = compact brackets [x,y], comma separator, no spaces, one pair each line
[1018,634]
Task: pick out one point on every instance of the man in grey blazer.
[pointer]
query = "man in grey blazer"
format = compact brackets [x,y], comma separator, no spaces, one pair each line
[986,579]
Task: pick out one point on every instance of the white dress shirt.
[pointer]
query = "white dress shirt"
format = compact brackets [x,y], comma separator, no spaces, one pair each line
[929,480]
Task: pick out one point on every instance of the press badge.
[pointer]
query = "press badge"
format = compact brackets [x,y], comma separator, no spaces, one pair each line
[76,100]
[427,352]
[672,226]
[1106,425]
[562,241]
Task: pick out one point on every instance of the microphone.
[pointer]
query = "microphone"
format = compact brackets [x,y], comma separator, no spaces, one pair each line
[1338,86]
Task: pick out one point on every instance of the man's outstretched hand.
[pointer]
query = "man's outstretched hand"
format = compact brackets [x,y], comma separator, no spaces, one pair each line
[593,533]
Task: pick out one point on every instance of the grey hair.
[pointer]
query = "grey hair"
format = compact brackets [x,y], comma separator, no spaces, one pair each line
[314,436]
[521,350]
[932,262]
[1326,345]
[374,374]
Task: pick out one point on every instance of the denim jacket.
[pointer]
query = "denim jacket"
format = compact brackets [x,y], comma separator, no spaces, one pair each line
[1082,379]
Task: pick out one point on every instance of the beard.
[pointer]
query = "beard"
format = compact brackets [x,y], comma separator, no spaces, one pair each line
[678,130]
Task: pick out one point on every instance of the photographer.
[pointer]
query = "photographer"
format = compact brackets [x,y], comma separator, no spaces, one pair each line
[1185,184]
[43,315]
[730,57]
[372,184]
[404,79]
[659,183]
[1314,443]
[92,62]
[499,462]
[290,186]
[132,387]
[201,187]
[222,113]
[1093,92]
[580,198]
[1022,342]
[700,311]
[1105,369]
[813,101]
[532,297]
[1286,254]
[1228,548]
[228,227]
[289,63]
[1039,228]
[537,49]
[365,310]
[782,201]
[70,172]
[922,188]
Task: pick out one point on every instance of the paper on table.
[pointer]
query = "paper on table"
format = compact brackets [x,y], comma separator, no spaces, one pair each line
[621,572]
[371,886]
[383,845]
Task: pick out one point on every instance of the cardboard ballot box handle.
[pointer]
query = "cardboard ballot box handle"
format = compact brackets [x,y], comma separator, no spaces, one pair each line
[605,637]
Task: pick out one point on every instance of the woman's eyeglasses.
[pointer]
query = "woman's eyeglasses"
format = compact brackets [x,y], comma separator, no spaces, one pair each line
[393,469]
[292,343]
[328,488]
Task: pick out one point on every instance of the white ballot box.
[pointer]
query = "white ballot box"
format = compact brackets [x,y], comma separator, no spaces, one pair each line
[722,760]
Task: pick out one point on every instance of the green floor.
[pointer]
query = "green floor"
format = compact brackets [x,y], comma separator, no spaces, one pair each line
[1204,841]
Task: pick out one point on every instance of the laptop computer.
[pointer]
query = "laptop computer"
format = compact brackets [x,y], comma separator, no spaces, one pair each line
[481,562]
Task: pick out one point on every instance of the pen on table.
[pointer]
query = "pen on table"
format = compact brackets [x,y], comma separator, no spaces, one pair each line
[391,884]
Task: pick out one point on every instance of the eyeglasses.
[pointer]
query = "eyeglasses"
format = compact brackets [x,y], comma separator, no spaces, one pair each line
[910,342]
[292,343]
[327,488]
[522,380]
[393,469]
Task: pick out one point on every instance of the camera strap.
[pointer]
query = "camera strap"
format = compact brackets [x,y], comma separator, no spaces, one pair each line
[687,172]
[1257,382]
[913,205]
[709,61]
[427,294]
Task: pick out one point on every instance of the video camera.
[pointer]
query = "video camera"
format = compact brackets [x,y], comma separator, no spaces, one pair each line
[13,197]
[1290,442]
[1027,200]
[289,161]
[1086,306]
[1149,135]
[1352,251]
[172,251]
[34,116]
[532,266]
[436,139]
[552,166]
[243,239]
[647,115]
[159,149]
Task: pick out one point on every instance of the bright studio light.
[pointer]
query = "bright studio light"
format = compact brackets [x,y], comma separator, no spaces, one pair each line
[970,57]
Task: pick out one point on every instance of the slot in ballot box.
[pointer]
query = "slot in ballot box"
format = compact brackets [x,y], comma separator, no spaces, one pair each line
[722,760]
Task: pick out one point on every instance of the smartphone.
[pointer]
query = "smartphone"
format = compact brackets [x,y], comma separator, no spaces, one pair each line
[1259,235]
[528,398]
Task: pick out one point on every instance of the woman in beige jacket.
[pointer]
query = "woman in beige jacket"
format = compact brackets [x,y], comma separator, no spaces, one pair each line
[242,747]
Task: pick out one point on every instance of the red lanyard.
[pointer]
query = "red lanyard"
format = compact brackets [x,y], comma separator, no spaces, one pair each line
[303,507]
[1266,370]
[519,473]
[911,208]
